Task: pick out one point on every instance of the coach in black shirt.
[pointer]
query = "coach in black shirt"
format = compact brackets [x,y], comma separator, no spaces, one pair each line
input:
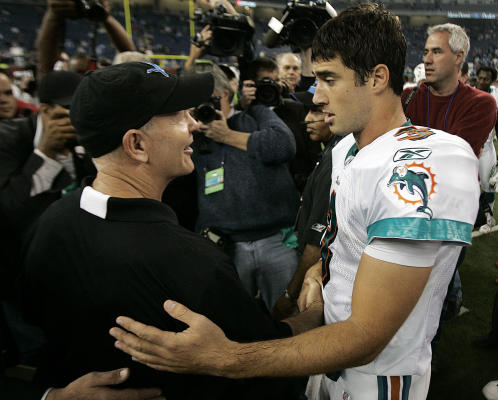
[112,248]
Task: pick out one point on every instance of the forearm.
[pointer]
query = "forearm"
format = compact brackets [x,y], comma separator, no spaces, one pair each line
[306,65]
[236,139]
[321,350]
[118,35]
[49,41]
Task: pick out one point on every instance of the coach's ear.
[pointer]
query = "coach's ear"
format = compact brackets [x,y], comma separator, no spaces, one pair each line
[379,78]
[134,145]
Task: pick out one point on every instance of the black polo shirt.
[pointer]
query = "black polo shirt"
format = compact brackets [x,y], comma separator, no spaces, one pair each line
[95,257]
[311,221]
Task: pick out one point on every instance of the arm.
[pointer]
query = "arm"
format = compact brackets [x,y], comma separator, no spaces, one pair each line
[475,125]
[118,35]
[273,143]
[225,3]
[95,386]
[51,32]
[198,51]
[306,65]
[384,295]
[219,131]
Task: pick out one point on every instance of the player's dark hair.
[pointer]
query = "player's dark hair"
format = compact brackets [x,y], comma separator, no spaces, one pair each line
[364,36]
[258,64]
[487,68]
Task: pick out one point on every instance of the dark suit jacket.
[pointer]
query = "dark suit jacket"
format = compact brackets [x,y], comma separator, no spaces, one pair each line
[18,209]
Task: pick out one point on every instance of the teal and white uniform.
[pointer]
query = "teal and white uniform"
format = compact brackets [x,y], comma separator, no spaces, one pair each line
[406,184]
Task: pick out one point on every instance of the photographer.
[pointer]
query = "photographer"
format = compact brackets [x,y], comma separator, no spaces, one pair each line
[38,165]
[263,86]
[245,191]
[51,36]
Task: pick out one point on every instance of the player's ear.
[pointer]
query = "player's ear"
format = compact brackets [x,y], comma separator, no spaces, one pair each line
[380,77]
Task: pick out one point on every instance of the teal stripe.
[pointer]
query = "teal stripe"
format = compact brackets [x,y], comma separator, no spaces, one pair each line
[382,387]
[422,229]
[407,381]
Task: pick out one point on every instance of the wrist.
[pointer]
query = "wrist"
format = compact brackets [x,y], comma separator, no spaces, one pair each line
[47,152]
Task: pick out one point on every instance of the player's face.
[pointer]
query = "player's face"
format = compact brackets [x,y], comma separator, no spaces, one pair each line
[440,63]
[316,127]
[170,138]
[8,104]
[484,80]
[345,103]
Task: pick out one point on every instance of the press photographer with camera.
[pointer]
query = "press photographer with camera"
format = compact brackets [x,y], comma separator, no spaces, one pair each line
[244,189]
[263,86]
[51,36]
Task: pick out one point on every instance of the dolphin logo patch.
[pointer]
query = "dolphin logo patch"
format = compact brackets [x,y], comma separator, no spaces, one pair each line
[414,184]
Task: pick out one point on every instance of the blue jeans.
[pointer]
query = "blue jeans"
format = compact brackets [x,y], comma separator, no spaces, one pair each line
[266,264]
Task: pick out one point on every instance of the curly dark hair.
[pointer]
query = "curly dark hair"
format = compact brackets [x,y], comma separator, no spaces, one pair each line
[489,69]
[364,36]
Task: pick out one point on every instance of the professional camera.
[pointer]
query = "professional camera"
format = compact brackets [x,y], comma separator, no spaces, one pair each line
[268,92]
[230,32]
[206,112]
[299,24]
[91,9]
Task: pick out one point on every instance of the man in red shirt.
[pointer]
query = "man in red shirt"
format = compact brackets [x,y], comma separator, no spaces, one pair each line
[442,101]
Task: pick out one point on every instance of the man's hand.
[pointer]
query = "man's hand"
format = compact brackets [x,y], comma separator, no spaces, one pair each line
[217,130]
[57,132]
[248,94]
[197,349]
[205,35]
[63,8]
[95,386]
[309,291]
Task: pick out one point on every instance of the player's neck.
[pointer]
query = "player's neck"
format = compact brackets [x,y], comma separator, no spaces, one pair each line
[444,88]
[387,116]
[120,184]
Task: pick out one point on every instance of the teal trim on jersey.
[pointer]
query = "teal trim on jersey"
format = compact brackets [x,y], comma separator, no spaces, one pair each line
[407,381]
[421,229]
[352,151]
[382,392]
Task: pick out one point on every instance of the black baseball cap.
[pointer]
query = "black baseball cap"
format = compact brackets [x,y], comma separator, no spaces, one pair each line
[306,98]
[126,96]
[58,87]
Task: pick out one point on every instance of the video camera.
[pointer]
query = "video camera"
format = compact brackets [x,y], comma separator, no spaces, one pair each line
[91,9]
[299,24]
[230,32]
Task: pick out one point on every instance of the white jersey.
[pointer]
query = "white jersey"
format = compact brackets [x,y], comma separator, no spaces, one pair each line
[410,183]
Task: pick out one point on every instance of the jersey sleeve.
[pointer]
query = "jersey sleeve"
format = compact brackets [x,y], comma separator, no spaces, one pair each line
[427,191]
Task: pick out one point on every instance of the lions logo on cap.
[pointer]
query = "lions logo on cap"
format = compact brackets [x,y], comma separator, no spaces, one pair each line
[414,184]
[156,68]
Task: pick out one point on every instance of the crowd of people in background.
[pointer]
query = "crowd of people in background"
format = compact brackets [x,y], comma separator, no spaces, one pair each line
[250,172]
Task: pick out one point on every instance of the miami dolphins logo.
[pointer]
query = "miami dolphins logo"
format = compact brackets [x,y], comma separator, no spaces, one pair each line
[414,184]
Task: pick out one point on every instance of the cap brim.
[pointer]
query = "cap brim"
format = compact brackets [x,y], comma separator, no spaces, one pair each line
[305,97]
[190,91]
[64,102]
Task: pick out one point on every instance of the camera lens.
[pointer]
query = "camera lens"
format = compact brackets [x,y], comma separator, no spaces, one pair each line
[205,113]
[302,32]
